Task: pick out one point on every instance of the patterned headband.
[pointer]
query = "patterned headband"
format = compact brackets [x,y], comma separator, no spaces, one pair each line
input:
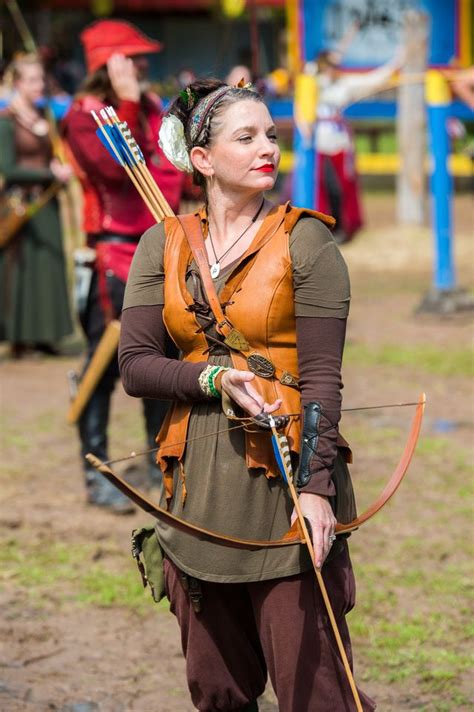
[202,111]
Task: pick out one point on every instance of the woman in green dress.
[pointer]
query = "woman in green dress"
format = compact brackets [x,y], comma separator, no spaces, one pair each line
[34,304]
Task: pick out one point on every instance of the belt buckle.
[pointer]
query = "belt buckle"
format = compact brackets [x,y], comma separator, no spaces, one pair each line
[260,365]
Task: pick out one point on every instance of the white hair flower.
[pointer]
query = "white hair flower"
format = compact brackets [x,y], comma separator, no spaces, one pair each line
[173,143]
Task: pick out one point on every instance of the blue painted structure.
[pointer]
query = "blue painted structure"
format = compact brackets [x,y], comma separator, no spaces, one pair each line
[283,109]
[325,22]
[441,183]
[304,173]
[58,105]
[380,22]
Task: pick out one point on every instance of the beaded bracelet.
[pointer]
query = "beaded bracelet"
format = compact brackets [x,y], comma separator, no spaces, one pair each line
[207,380]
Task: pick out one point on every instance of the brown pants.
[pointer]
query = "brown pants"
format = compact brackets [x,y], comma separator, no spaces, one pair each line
[280,625]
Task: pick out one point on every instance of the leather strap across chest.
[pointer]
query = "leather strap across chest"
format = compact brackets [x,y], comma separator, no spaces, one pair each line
[233,338]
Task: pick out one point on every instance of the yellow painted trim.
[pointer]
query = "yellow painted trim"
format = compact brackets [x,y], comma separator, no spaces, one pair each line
[437,91]
[306,98]
[378,163]
[460,165]
[293,40]
[389,164]
[465,32]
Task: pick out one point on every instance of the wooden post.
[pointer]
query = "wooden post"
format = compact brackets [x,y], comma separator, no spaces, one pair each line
[411,123]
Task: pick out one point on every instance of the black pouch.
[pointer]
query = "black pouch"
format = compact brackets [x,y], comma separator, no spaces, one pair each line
[148,554]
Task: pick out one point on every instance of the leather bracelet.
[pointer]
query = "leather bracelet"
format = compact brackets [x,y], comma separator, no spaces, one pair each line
[218,380]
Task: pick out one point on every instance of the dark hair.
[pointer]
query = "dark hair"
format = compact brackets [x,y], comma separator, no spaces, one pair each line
[98,84]
[185,103]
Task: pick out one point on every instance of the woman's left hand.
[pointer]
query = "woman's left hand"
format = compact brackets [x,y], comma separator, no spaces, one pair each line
[317,510]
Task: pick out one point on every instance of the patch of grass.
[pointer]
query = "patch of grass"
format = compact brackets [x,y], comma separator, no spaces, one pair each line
[41,564]
[456,702]
[44,574]
[47,421]
[434,452]
[402,644]
[366,435]
[442,362]
[428,446]
[12,436]
[104,588]
[39,569]
[27,435]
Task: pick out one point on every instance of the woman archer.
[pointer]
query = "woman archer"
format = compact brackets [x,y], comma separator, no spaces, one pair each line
[283,284]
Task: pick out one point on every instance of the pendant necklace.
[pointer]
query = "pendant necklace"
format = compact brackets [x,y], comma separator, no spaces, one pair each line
[216,267]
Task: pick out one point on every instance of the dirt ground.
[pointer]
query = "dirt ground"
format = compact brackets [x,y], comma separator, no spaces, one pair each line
[72,639]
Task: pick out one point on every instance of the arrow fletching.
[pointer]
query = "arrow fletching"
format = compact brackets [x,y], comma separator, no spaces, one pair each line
[278,458]
[281,450]
[100,133]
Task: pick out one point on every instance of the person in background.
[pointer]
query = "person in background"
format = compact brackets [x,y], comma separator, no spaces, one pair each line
[239,73]
[34,305]
[185,76]
[114,214]
[338,192]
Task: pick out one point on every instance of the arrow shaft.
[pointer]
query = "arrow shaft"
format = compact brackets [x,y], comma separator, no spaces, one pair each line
[324,593]
[322,586]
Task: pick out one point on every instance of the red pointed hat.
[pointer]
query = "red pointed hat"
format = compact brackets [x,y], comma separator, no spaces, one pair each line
[107,37]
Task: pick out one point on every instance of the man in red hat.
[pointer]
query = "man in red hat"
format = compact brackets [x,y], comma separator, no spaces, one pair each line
[114,214]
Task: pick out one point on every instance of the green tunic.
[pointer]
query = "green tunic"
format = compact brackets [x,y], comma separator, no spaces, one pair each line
[222,494]
[34,304]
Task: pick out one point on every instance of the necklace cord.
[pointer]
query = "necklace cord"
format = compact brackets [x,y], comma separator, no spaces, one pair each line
[253,221]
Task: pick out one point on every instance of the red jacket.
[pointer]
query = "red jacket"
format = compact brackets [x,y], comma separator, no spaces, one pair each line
[111,201]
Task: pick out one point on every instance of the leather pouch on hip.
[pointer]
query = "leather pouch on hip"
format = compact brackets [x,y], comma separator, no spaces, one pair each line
[148,554]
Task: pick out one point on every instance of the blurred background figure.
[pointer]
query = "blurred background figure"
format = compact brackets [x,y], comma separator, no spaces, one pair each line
[184,77]
[114,216]
[238,73]
[338,190]
[462,85]
[34,308]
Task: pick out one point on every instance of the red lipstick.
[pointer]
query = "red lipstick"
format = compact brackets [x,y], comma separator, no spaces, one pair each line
[267,168]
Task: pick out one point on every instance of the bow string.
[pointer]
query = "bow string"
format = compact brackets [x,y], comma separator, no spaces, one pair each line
[291,537]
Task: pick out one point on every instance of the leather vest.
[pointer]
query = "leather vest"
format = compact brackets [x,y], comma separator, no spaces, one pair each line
[261,296]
